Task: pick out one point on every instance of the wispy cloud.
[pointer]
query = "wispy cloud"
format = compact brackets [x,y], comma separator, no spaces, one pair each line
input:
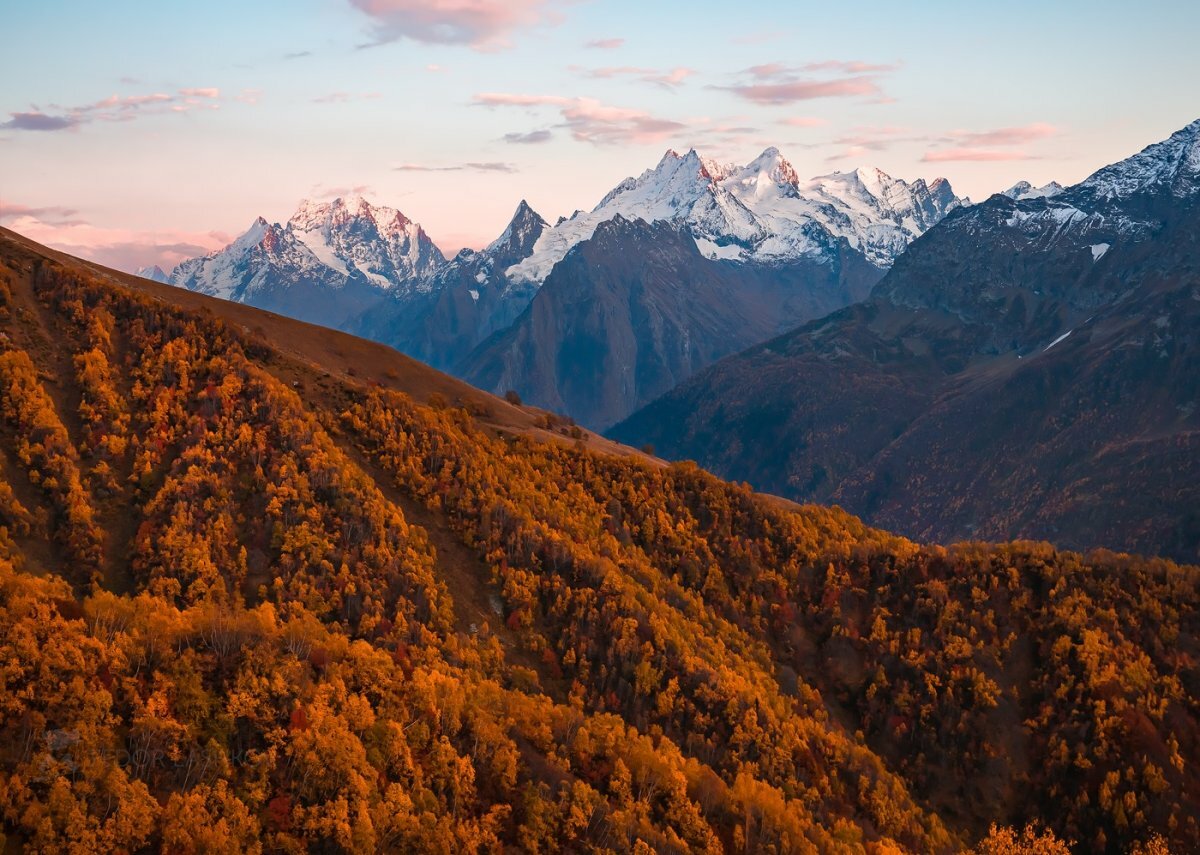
[976,154]
[866,139]
[667,79]
[345,97]
[490,166]
[803,122]
[530,138]
[1006,136]
[115,108]
[481,24]
[320,191]
[806,90]
[995,145]
[38,121]
[124,249]
[51,214]
[299,54]
[604,44]
[589,120]
[778,83]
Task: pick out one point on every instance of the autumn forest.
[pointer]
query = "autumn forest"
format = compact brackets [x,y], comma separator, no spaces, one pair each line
[254,600]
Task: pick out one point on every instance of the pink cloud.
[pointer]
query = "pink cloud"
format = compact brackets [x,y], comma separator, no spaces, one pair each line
[991,145]
[975,154]
[345,97]
[775,83]
[873,138]
[803,122]
[851,67]
[1006,136]
[605,44]
[806,90]
[667,79]
[124,249]
[773,70]
[116,108]
[55,214]
[320,191]
[481,24]
[589,120]
[490,166]
[509,99]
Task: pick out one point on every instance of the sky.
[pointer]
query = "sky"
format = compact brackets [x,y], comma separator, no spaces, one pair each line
[135,133]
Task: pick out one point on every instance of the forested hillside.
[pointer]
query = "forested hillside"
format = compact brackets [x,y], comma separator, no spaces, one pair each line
[267,588]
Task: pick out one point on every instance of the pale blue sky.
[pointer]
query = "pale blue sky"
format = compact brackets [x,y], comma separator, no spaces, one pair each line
[134,131]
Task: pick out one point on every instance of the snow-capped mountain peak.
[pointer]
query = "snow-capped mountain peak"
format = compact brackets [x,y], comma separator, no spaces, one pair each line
[153,273]
[327,244]
[769,169]
[1025,190]
[522,233]
[758,212]
[1173,163]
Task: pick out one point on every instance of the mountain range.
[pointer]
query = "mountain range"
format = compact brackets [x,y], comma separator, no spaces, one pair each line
[1026,369]
[759,252]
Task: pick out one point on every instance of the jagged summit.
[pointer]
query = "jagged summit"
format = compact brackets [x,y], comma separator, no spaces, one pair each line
[521,234]
[1173,163]
[325,245]
[760,212]
[1025,190]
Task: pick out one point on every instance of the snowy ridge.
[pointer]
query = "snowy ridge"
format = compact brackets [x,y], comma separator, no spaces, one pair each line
[325,242]
[1173,164]
[1123,200]
[759,212]
[1025,190]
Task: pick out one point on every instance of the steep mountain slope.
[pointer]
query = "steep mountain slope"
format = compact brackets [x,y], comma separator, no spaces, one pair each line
[462,303]
[252,597]
[636,309]
[327,264]
[1026,369]
[625,309]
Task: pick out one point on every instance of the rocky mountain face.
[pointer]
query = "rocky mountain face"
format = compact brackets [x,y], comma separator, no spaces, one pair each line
[747,252]
[463,302]
[636,309]
[1026,369]
[329,263]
